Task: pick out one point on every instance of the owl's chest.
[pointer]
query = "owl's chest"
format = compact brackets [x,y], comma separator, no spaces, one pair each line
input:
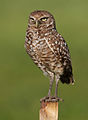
[40,47]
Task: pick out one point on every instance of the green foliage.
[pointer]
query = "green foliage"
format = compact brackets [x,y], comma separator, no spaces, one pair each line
[22,84]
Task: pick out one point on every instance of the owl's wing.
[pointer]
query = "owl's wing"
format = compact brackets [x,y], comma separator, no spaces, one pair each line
[60,49]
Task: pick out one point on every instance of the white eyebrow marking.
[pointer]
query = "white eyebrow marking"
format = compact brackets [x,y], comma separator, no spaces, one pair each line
[32,17]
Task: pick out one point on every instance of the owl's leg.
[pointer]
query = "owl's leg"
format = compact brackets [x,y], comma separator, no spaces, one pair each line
[56,89]
[51,84]
[49,97]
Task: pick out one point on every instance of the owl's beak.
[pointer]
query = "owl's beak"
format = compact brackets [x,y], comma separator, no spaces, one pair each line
[37,23]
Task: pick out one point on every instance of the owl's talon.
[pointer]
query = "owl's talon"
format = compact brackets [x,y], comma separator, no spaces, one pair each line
[44,98]
[59,99]
[51,99]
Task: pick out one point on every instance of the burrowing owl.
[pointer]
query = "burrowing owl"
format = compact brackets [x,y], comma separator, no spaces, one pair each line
[48,49]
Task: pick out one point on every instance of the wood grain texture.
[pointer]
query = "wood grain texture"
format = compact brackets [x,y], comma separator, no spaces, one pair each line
[49,111]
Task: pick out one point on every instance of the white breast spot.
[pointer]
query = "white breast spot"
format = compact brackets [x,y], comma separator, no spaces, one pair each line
[61,38]
[55,42]
[29,42]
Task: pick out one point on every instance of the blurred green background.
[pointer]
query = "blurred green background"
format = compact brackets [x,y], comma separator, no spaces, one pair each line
[22,84]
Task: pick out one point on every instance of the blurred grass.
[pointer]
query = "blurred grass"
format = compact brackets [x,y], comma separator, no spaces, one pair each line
[22,84]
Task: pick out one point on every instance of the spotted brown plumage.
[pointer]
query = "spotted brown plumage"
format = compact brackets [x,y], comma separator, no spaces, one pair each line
[48,49]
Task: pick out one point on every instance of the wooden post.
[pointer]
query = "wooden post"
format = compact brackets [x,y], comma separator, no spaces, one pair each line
[49,110]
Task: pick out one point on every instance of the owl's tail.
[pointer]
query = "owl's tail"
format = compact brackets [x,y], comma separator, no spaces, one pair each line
[67,79]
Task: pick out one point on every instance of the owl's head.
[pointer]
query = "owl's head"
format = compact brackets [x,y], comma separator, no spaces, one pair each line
[41,18]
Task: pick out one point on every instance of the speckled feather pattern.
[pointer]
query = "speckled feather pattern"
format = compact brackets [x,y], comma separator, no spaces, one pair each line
[49,51]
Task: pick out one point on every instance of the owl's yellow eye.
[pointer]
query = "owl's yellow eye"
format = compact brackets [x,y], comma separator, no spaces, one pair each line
[44,19]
